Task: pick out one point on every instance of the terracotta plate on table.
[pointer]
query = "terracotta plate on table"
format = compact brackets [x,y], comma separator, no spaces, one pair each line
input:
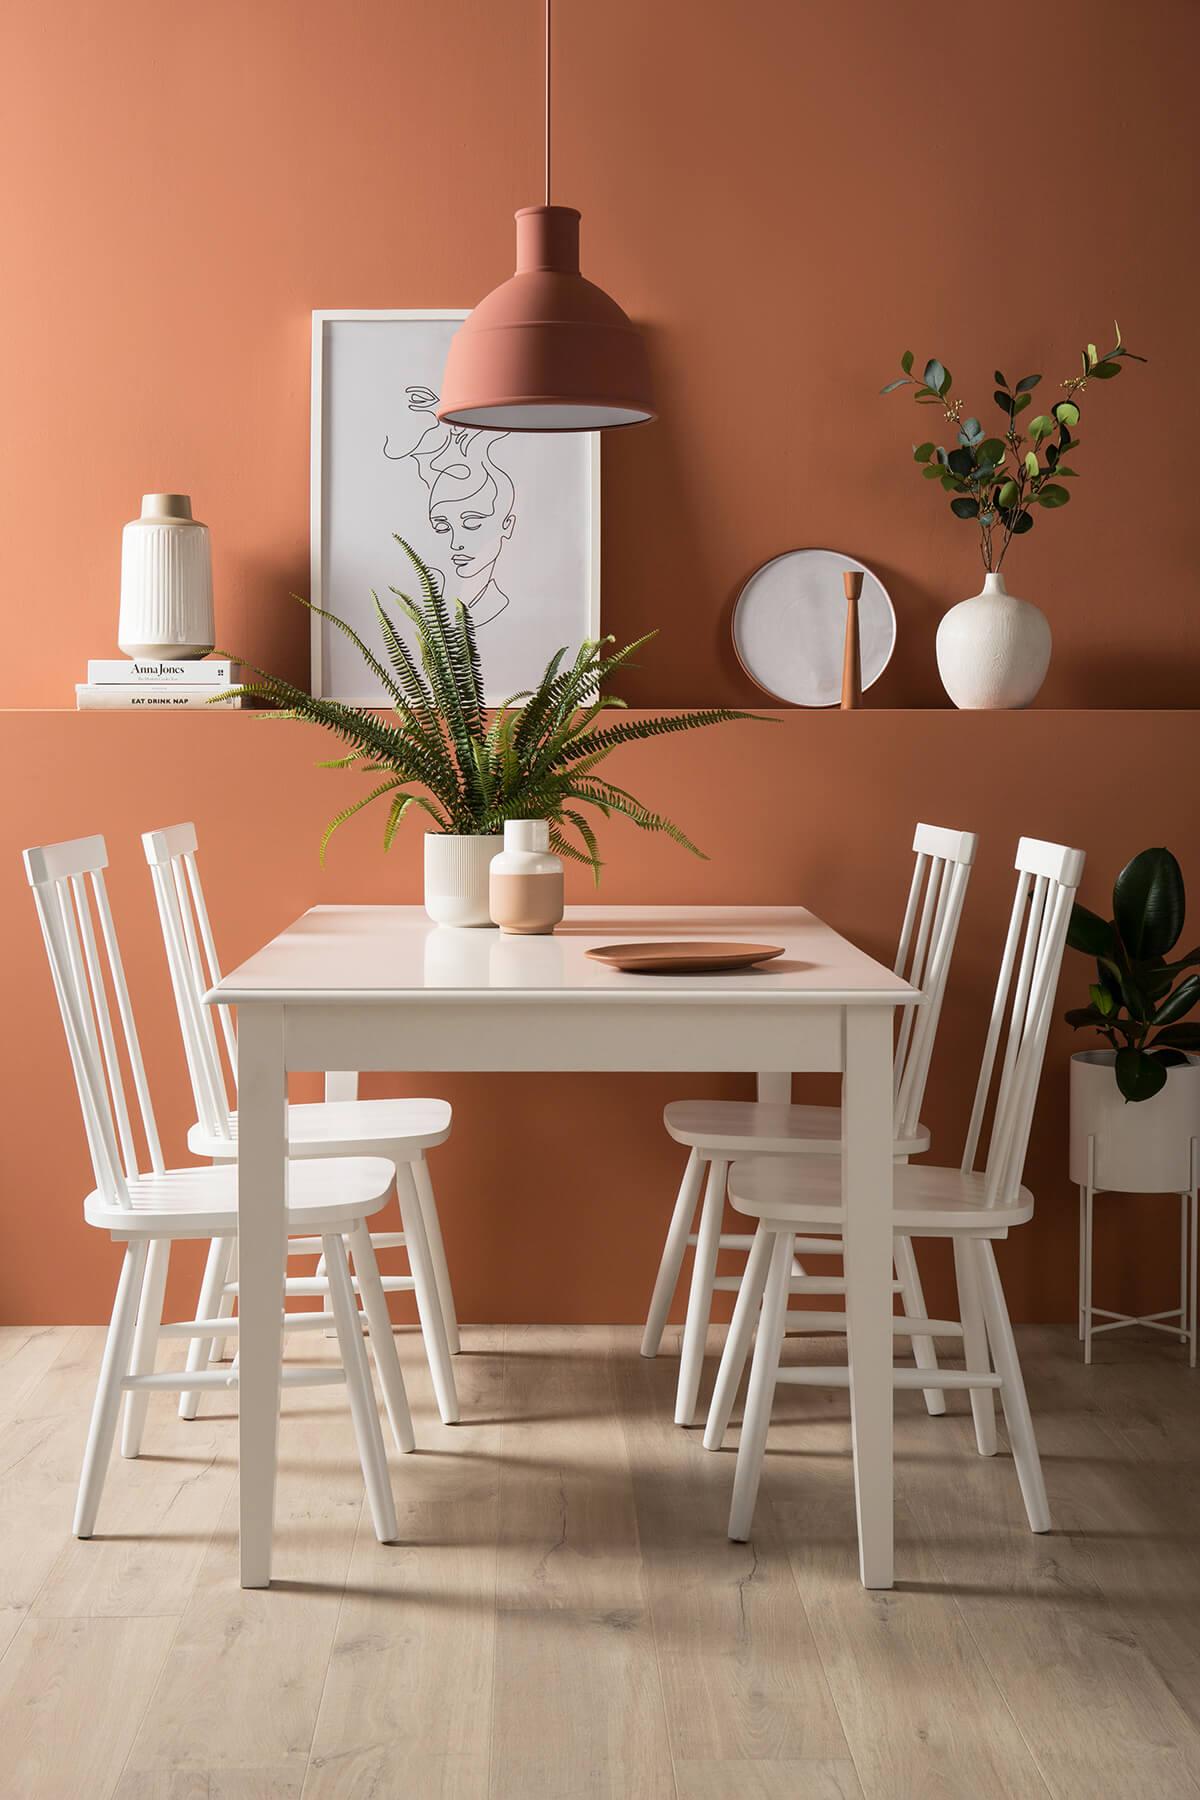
[691,957]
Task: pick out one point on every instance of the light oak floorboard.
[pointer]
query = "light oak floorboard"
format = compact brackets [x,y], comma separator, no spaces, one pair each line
[71,1694]
[577,1707]
[744,1780]
[742,1676]
[407,1703]
[564,1616]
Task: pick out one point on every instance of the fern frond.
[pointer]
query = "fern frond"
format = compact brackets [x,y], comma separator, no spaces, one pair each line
[348,812]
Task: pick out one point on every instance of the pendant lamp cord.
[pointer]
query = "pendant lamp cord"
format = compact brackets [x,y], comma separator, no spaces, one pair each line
[547,102]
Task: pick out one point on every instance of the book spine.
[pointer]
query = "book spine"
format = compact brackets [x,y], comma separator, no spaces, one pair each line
[93,698]
[135,670]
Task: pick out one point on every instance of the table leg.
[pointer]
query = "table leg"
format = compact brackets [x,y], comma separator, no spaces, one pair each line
[867,1189]
[774,1088]
[262,1240]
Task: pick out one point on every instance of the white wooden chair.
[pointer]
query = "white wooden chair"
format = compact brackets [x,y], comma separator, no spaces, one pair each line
[716,1131]
[972,1207]
[148,1210]
[400,1130]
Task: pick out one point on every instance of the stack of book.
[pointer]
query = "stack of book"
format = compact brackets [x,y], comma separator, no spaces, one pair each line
[156,681]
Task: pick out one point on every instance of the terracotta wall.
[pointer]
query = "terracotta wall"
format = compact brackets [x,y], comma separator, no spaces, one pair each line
[788,196]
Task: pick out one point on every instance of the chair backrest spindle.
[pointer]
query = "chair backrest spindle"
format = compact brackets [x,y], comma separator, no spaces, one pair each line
[68,887]
[192,960]
[1048,876]
[932,915]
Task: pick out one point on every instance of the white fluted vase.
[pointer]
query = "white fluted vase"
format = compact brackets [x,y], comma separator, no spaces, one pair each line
[456,877]
[993,650]
[166,582]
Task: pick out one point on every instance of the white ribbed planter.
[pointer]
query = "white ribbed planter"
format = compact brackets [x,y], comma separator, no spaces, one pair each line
[993,650]
[166,581]
[1141,1147]
[456,877]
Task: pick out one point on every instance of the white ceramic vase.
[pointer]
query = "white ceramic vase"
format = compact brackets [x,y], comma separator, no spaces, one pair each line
[456,877]
[993,650]
[1140,1147]
[166,582]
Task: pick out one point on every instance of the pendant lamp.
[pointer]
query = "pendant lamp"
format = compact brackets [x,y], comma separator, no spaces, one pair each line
[547,350]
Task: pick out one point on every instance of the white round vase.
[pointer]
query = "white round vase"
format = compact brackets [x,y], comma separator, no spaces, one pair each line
[1140,1146]
[166,582]
[456,877]
[993,650]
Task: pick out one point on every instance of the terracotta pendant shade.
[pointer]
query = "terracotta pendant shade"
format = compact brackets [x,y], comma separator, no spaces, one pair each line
[548,350]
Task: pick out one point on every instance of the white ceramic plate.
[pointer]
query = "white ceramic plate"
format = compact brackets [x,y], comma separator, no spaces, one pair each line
[789,626]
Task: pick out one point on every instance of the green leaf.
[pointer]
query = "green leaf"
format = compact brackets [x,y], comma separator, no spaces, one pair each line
[999,379]
[1149,903]
[1031,462]
[1179,1001]
[1020,403]
[1102,999]
[932,471]
[1139,1077]
[961,462]
[1051,495]
[1008,494]
[1041,427]
[1104,371]
[1168,1059]
[906,362]
[1182,1037]
[965,509]
[970,431]
[1027,383]
[1004,402]
[936,377]
[1066,412]
[1090,933]
[922,452]
[1082,1016]
[900,381]
[1023,524]
[991,450]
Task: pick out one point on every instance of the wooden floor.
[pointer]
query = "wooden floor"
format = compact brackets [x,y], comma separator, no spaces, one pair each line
[565,1617]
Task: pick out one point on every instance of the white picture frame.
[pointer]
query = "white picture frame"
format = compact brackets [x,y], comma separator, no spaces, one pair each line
[542,512]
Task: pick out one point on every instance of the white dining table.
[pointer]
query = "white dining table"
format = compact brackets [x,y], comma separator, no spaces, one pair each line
[382,987]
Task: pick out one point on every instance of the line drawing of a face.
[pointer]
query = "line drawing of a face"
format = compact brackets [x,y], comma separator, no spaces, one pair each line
[471,506]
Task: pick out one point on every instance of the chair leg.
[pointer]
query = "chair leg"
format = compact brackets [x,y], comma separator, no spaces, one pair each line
[912,1297]
[145,1344]
[383,1341]
[975,1343]
[667,1279]
[1012,1392]
[114,1363]
[225,1305]
[437,1251]
[1089,1231]
[429,1309]
[363,1410]
[760,1396]
[737,1343]
[704,1268]
[201,1351]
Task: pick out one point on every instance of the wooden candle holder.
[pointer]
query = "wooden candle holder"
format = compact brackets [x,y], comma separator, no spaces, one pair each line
[852,691]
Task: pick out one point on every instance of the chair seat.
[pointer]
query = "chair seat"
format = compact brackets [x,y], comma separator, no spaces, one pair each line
[399,1128]
[322,1196]
[928,1201]
[753,1127]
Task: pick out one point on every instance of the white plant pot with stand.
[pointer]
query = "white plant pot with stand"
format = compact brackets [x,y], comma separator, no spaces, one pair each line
[1143,1147]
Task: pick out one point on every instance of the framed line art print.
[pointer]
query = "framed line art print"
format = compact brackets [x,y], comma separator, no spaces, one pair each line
[509,522]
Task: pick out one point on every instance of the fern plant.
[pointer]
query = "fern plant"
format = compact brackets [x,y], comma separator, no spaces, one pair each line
[535,757]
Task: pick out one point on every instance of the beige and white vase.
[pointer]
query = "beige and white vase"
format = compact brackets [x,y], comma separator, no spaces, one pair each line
[456,877]
[166,582]
[993,650]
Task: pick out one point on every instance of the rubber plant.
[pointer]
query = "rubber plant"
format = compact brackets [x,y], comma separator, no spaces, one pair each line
[537,756]
[994,479]
[1139,1000]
